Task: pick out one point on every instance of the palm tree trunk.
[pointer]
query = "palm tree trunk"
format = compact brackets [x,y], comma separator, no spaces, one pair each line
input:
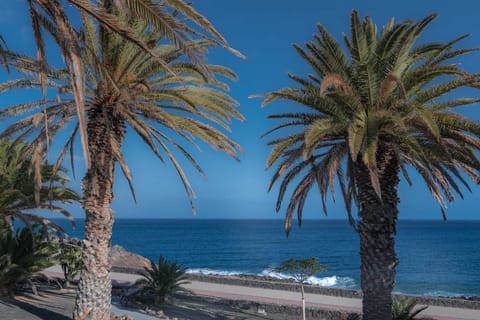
[93,300]
[94,289]
[377,227]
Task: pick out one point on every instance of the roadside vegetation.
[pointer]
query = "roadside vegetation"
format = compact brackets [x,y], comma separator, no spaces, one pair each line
[22,253]
[28,241]
[70,259]
[407,309]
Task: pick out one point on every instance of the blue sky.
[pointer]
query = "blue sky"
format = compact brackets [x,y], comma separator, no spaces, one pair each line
[264,30]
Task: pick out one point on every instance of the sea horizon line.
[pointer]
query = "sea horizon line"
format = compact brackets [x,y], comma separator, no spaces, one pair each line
[264,219]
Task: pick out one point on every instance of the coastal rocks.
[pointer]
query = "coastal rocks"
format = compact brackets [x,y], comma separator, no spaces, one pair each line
[122,260]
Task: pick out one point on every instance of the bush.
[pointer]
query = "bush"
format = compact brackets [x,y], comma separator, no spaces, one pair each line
[405,309]
[22,253]
[402,309]
[70,259]
[161,280]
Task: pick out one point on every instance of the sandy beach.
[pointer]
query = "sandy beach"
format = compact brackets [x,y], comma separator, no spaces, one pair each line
[208,300]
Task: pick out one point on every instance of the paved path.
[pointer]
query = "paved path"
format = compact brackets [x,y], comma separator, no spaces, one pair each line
[292,298]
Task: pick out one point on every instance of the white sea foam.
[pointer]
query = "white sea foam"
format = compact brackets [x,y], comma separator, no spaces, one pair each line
[332,281]
[207,271]
[324,282]
[273,274]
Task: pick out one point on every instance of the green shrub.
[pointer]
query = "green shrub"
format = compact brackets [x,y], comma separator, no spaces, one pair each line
[161,280]
[70,260]
[406,309]
[402,309]
[22,253]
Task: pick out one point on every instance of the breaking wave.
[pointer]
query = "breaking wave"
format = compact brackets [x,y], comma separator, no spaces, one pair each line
[332,281]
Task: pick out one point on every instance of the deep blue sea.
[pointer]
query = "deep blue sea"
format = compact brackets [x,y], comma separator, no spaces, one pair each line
[436,257]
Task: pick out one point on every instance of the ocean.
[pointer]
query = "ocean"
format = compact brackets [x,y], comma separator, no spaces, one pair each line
[439,258]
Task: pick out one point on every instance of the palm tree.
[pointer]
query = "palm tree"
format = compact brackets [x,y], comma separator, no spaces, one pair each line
[126,87]
[17,183]
[161,280]
[370,113]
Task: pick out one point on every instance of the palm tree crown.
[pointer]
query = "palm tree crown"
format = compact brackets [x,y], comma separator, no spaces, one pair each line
[384,98]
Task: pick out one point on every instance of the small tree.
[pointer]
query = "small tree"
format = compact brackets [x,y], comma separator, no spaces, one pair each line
[300,270]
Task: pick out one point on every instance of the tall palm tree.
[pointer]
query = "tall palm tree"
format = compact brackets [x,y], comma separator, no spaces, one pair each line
[126,88]
[17,183]
[370,113]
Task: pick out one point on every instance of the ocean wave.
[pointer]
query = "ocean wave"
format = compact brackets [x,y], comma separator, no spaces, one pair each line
[332,281]
[207,271]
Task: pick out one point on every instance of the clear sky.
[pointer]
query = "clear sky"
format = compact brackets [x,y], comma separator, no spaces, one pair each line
[264,30]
